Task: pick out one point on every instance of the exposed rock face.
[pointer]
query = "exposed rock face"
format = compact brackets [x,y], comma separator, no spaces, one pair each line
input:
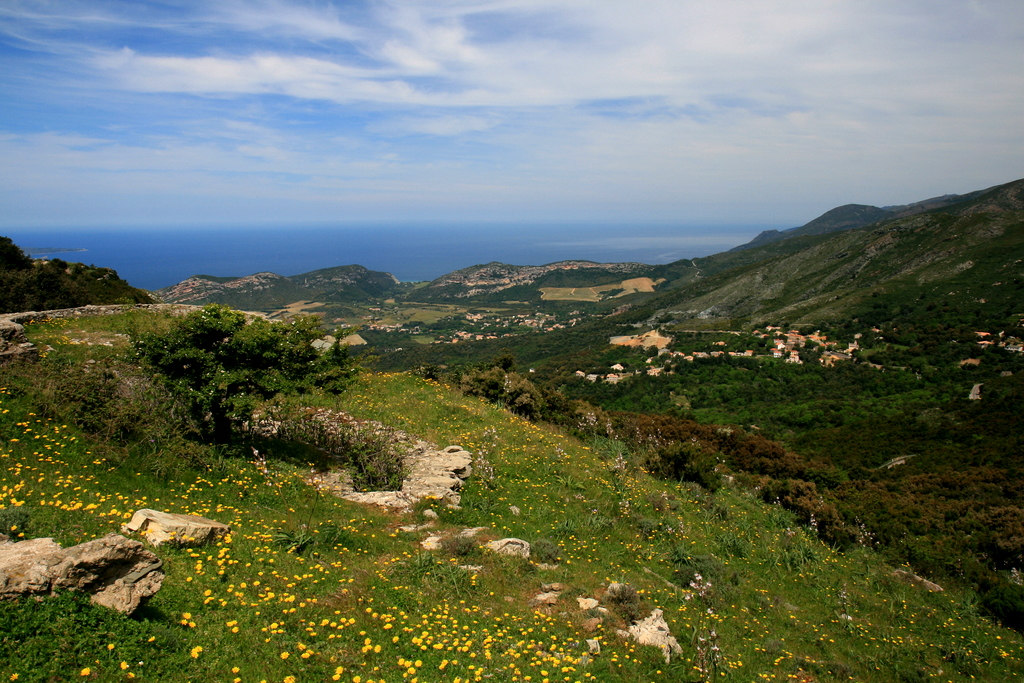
[654,631]
[510,546]
[166,527]
[119,572]
[14,344]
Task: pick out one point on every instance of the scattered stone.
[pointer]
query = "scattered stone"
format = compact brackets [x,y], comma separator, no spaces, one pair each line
[916,580]
[429,514]
[622,634]
[514,510]
[602,610]
[472,568]
[413,528]
[509,598]
[587,603]
[14,344]
[593,646]
[166,527]
[590,625]
[119,572]
[555,587]
[431,543]
[615,590]
[545,567]
[510,546]
[472,531]
[549,598]
[654,631]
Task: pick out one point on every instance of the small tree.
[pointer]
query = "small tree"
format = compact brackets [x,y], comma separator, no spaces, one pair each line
[219,364]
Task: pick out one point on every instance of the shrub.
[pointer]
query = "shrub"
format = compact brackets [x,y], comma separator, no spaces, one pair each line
[685,461]
[219,364]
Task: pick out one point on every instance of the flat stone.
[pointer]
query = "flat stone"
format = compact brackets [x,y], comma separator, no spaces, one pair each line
[431,543]
[510,546]
[915,580]
[587,603]
[166,527]
[593,646]
[472,531]
[549,598]
[555,587]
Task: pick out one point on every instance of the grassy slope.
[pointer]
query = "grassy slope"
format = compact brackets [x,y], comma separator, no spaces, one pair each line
[371,608]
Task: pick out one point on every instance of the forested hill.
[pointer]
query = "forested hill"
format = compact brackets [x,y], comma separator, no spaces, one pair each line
[39,285]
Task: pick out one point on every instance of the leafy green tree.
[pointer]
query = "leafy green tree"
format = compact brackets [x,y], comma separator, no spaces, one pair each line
[220,364]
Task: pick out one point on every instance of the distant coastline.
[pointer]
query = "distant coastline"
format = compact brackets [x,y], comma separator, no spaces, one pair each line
[46,251]
[153,258]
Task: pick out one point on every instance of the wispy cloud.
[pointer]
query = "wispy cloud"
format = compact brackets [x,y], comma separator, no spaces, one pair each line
[735,110]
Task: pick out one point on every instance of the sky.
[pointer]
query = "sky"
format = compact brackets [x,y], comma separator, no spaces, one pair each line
[236,112]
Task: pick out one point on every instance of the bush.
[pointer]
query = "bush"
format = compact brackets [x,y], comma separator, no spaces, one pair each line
[219,364]
[685,461]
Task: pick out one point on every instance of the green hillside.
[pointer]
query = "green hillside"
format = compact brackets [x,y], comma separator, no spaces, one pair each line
[310,587]
[47,284]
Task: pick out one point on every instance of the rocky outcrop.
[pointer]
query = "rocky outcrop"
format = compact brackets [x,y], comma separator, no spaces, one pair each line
[166,527]
[654,631]
[510,546]
[435,474]
[14,344]
[119,572]
[90,311]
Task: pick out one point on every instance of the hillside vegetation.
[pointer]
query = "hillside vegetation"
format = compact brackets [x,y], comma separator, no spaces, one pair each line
[47,284]
[310,587]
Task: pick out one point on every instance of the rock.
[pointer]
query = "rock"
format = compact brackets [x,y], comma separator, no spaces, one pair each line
[593,646]
[472,531]
[654,631]
[554,587]
[622,634]
[587,603]
[545,567]
[14,344]
[429,514]
[119,572]
[549,598]
[431,543]
[590,625]
[167,527]
[413,528]
[616,590]
[472,568]
[435,474]
[510,546]
[916,580]
[514,510]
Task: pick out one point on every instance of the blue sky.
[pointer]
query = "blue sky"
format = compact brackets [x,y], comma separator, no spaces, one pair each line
[134,113]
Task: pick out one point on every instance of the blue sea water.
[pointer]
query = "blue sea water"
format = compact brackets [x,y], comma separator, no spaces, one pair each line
[152,258]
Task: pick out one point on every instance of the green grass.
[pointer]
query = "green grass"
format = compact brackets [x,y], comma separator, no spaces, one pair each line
[364,602]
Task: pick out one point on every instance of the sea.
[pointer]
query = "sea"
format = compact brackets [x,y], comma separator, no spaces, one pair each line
[152,258]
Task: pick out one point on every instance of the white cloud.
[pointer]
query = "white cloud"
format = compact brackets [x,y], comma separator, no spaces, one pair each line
[748,108]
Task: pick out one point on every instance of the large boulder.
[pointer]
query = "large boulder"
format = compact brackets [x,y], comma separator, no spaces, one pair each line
[167,527]
[654,631]
[13,342]
[119,572]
